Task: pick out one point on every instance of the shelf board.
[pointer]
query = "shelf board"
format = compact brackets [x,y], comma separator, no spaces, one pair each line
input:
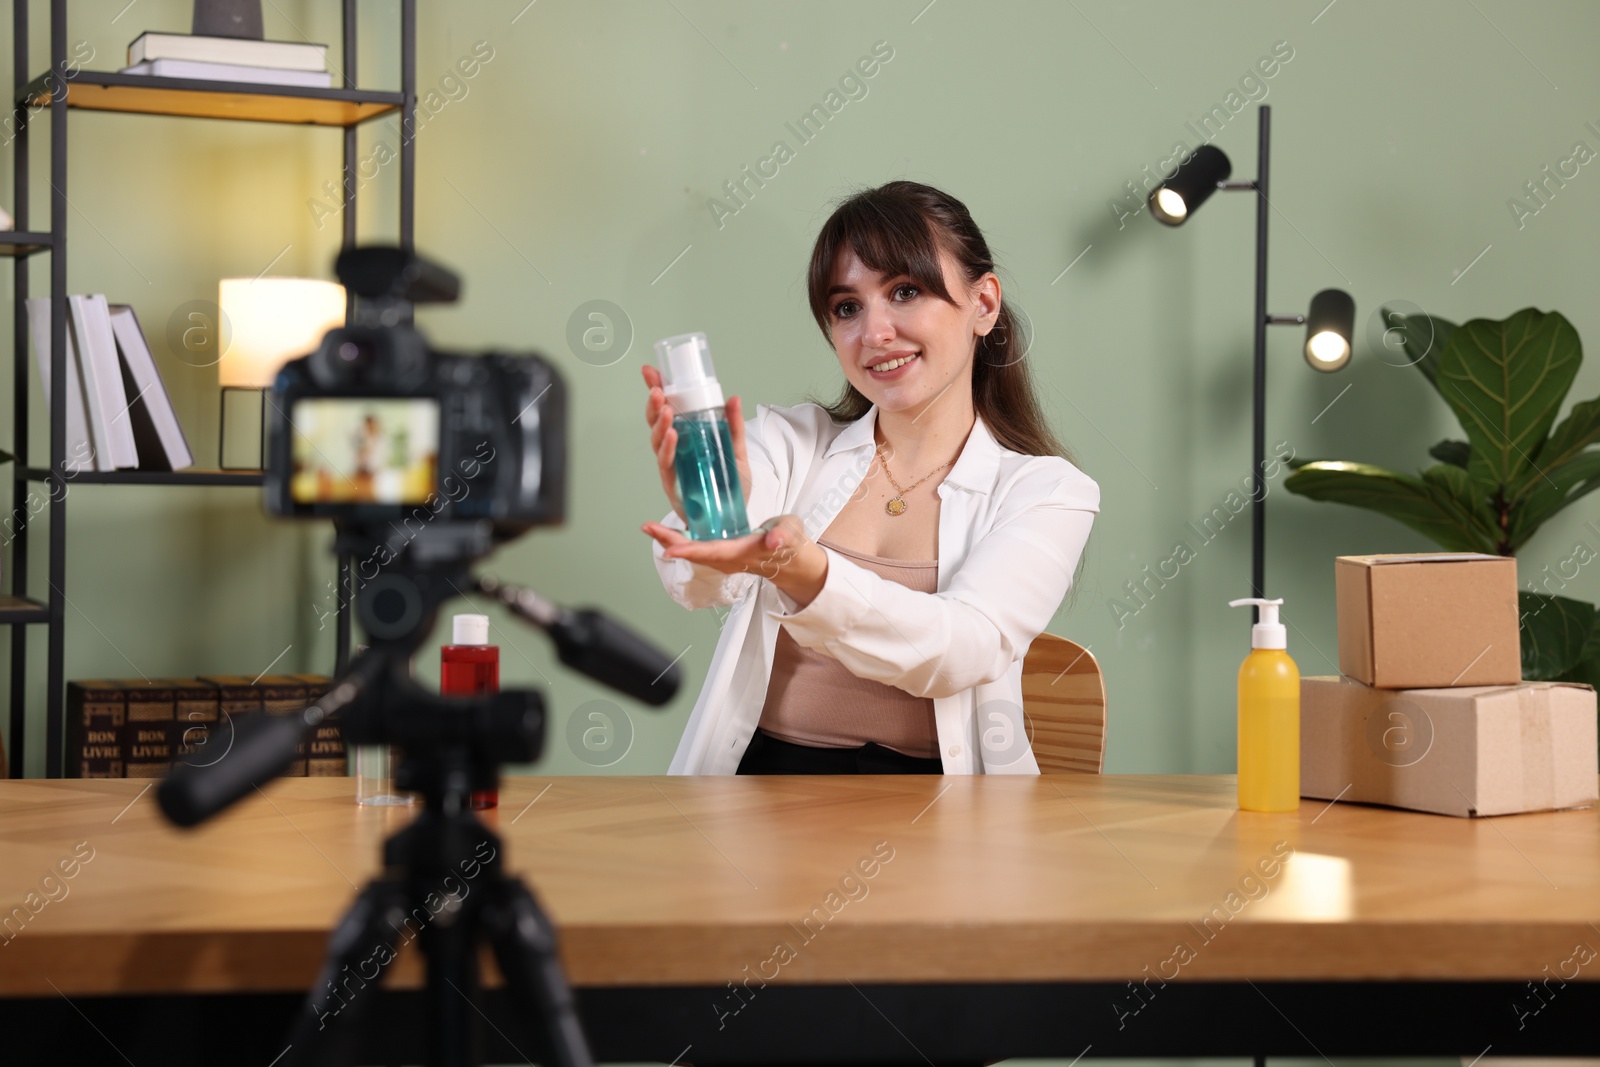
[20,243]
[100,90]
[191,476]
[22,609]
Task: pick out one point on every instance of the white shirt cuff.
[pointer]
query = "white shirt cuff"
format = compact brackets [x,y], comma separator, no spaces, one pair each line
[833,613]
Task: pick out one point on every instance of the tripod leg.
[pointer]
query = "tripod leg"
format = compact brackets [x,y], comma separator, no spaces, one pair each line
[361,946]
[524,943]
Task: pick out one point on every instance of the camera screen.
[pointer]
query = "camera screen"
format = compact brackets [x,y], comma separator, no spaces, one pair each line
[363,450]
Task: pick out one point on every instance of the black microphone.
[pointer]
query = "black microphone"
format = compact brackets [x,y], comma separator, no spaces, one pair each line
[590,642]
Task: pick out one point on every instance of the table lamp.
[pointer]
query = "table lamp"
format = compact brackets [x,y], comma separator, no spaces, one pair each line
[267,322]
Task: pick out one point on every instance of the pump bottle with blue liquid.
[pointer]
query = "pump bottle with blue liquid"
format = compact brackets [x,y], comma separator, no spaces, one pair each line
[708,471]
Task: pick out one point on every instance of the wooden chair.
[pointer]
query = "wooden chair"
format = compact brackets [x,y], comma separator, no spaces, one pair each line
[1064,705]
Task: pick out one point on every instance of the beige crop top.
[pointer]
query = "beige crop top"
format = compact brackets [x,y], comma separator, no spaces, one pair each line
[813,699]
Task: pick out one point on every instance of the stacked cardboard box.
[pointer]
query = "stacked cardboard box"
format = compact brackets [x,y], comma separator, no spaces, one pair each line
[1429,710]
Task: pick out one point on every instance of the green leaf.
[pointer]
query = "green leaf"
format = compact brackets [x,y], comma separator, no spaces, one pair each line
[1439,505]
[1455,492]
[1505,381]
[1556,631]
[1421,337]
[1550,493]
[1579,430]
[1455,453]
[1587,670]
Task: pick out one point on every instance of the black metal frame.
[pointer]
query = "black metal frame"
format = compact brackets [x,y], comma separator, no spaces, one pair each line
[51,610]
[913,1024]
[1263,319]
[145,81]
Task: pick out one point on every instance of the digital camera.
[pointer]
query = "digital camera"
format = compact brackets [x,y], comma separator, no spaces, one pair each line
[377,427]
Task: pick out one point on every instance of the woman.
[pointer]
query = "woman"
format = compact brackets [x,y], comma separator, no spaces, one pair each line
[948,522]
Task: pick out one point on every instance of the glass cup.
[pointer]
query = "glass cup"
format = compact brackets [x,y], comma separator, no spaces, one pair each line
[375,766]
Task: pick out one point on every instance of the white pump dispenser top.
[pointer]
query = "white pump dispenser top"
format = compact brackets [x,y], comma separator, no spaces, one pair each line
[1269,632]
[687,377]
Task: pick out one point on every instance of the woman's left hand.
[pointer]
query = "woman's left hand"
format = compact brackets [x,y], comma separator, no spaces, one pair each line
[778,550]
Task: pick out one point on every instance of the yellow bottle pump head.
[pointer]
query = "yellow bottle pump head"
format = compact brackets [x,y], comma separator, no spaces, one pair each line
[1269,632]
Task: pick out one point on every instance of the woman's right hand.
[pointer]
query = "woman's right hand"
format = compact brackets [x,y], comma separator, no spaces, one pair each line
[664,439]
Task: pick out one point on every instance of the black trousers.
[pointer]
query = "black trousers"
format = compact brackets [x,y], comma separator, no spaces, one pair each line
[769,755]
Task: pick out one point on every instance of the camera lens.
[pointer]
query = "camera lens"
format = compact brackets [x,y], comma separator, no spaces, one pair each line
[356,353]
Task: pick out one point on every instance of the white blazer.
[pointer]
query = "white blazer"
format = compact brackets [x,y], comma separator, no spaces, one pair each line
[1011,530]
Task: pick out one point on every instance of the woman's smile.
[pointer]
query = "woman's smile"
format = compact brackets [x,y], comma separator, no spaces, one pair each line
[891,369]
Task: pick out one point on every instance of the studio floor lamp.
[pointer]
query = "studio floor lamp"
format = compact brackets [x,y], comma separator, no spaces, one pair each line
[1329,321]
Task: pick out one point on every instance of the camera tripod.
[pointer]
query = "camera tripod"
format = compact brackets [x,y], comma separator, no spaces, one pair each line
[445,885]
[444,882]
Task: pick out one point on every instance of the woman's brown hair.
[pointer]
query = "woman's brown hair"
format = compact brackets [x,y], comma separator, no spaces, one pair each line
[899,228]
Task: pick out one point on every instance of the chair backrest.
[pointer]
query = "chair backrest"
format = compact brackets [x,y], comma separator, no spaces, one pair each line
[1064,704]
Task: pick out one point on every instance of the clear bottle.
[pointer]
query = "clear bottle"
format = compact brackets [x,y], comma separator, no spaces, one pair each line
[1269,716]
[470,665]
[375,767]
[708,471]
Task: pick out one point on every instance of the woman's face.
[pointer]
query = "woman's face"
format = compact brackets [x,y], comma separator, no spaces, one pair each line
[876,319]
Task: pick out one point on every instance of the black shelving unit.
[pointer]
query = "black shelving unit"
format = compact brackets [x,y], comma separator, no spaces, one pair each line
[188,476]
[343,108]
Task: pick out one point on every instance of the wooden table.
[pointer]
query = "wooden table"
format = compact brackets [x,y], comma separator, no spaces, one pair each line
[926,916]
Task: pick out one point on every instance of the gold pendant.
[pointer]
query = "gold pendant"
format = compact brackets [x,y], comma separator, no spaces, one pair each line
[896,506]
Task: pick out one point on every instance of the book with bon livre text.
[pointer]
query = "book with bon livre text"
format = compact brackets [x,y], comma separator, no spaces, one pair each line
[96,711]
[148,729]
[284,694]
[140,727]
[195,715]
[326,756]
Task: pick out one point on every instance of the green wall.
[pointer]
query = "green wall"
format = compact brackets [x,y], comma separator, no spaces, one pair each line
[579,165]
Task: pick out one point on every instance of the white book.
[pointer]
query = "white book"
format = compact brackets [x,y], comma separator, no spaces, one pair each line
[288,55]
[149,391]
[80,448]
[229,72]
[109,421]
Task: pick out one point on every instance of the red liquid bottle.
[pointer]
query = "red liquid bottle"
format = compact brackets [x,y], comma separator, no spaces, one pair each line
[468,666]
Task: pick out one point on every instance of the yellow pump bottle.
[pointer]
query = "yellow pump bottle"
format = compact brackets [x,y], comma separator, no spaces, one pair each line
[1269,716]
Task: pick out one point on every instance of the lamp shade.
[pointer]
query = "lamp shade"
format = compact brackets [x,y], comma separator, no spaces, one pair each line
[1186,188]
[271,321]
[1330,324]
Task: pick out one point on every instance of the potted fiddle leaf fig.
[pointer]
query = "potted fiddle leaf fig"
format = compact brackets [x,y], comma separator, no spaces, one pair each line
[1505,381]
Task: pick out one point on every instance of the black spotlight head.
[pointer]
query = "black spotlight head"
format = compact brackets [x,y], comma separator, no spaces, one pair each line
[1187,187]
[1330,324]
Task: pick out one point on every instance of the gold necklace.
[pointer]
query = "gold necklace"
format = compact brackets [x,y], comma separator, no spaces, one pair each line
[897,505]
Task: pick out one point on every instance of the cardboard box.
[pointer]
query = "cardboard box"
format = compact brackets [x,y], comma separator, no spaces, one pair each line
[1421,620]
[1479,750]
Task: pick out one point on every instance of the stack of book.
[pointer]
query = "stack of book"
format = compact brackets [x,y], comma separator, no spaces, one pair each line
[229,59]
[119,414]
[138,728]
